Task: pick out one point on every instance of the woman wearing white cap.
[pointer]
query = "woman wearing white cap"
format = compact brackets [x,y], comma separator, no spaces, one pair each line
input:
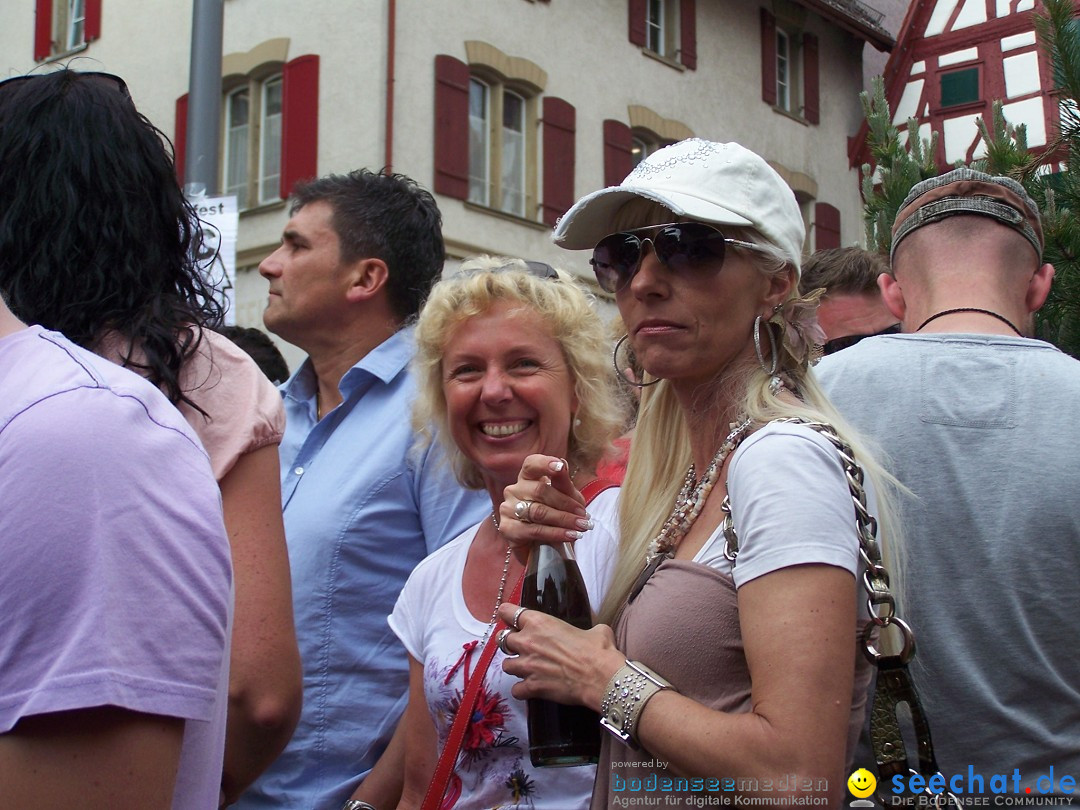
[717,676]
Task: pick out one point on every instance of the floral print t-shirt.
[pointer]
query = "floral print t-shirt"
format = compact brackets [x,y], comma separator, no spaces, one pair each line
[433,622]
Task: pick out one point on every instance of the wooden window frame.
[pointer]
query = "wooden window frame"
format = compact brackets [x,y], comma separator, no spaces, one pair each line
[256,191]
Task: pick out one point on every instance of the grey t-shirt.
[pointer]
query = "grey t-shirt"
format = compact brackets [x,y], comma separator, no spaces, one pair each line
[985,431]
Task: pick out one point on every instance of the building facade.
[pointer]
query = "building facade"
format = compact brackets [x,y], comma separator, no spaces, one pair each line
[507,109]
[952,61]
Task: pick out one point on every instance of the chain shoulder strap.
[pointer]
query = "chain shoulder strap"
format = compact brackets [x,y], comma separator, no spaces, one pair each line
[894,684]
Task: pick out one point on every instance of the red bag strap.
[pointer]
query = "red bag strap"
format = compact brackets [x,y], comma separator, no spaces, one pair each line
[595,487]
[439,780]
[447,759]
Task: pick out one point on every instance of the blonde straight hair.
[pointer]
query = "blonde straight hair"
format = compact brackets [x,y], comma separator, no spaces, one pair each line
[660,453]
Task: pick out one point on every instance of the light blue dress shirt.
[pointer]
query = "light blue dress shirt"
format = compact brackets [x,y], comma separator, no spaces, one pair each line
[362,508]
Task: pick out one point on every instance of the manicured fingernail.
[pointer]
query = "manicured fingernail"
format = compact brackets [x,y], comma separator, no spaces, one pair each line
[584,524]
[556,466]
[572,535]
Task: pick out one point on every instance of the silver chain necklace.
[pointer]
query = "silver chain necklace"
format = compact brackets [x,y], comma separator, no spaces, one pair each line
[502,582]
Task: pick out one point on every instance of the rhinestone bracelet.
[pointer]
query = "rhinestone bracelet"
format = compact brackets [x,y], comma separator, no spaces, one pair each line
[628,691]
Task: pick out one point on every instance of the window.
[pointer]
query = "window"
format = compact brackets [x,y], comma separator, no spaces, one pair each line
[960,87]
[270,142]
[498,142]
[270,127]
[252,166]
[479,149]
[660,27]
[785,98]
[63,26]
[626,146]
[76,22]
[643,144]
[667,28]
[237,109]
[789,67]
[513,154]
[498,154]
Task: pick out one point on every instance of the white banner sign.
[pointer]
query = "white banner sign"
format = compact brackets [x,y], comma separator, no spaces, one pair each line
[215,251]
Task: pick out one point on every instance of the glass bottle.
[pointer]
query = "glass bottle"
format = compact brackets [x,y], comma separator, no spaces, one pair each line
[559,735]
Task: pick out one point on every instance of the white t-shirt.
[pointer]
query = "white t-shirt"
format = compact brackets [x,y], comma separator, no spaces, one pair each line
[777,462]
[433,622]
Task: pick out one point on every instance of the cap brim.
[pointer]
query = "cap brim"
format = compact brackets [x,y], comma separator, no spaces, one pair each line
[590,219]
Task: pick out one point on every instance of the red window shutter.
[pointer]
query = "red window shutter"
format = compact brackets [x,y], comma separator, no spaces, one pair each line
[618,156]
[43,30]
[826,226]
[768,57]
[451,127]
[92,21]
[180,139]
[299,121]
[559,129]
[811,92]
[688,33]
[637,21]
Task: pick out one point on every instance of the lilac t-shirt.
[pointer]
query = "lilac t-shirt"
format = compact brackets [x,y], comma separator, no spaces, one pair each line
[115,587]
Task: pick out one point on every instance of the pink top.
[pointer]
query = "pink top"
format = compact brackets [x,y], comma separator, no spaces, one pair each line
[244,409]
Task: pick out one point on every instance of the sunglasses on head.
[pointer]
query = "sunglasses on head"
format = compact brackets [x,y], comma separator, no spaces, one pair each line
[836,344]
[108,78]
[538,269]
[682,247]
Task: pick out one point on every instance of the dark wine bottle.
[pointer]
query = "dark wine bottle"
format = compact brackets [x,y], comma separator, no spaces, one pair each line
[559,735]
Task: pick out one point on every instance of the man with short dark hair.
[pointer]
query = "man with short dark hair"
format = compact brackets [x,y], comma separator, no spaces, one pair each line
[851,308]
[981,423]
[358,256]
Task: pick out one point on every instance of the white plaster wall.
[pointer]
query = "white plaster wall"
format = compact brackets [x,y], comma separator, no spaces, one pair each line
[591,64]
[583,46]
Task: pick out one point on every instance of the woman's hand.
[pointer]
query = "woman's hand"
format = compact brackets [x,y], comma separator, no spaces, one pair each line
[543,505]
[557,661]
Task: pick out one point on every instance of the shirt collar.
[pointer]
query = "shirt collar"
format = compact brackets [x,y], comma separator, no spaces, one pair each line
[384,362]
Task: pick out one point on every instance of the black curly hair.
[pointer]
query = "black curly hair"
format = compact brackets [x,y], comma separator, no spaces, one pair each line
[95,233]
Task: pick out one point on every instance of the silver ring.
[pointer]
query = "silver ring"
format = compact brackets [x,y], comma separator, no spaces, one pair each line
[500,640]
[523,511]
[517,615]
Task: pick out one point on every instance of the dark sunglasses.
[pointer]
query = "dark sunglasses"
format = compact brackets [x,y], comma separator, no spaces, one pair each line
[109,78]
[683,247]
[836,344]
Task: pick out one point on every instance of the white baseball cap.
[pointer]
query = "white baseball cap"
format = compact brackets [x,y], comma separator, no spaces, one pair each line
[719,183]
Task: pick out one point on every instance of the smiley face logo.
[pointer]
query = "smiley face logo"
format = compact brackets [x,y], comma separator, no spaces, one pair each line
[861,783]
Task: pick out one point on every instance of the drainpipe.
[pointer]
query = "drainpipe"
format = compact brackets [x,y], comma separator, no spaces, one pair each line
[204,98]
[391,14]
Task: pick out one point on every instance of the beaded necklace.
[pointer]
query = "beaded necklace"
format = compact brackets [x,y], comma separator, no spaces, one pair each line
[469,646]
[502,582]
[692,497]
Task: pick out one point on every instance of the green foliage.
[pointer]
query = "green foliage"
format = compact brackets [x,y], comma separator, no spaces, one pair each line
[901,163]
[1007,153]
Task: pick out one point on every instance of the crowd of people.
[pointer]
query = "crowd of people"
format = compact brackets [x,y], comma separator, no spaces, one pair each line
[221,593]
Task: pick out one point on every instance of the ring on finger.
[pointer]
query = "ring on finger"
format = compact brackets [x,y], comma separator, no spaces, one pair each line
[523,511]
[500,640]
[517,615]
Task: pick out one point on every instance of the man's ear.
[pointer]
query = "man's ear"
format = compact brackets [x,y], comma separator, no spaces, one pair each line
[892,295]
[366,278]
[1039,288]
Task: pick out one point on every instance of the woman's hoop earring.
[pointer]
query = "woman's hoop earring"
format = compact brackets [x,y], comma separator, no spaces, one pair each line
[619,372]
[775,383]
[770,369]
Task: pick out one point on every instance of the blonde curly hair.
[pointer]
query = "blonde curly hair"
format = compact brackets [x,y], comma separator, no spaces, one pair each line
[569,313]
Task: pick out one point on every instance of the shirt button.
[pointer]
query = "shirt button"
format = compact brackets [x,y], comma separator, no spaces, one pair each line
[299,471]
